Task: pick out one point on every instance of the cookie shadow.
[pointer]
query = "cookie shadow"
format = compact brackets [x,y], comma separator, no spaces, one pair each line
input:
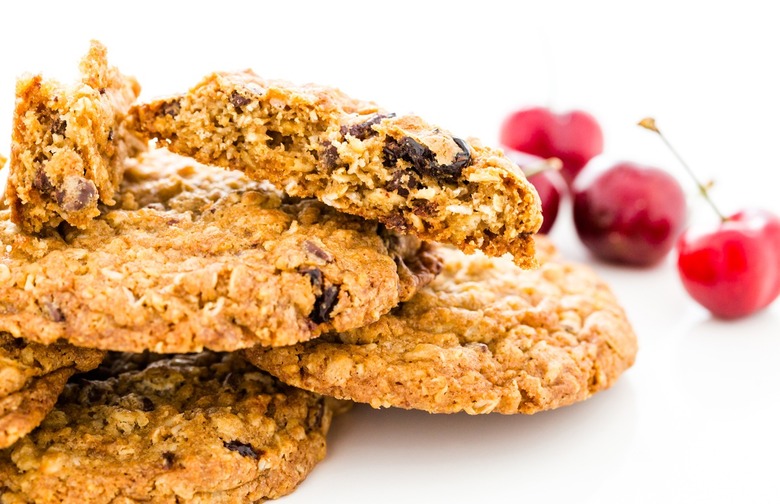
[461,457]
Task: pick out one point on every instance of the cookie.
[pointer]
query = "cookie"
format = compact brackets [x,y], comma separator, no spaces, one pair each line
[194,257]
[31,377]
[203,427]
[68,144]
[314,141]
[484,336]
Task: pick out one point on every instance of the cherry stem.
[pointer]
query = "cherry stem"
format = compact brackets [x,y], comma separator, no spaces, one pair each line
[532,165]
[550,164]
[649,123]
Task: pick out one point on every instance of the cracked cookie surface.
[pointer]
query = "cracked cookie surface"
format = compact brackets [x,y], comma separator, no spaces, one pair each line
[69,144]
[31,378]
[483,336]
[205,427]
[195,256]
[314,141]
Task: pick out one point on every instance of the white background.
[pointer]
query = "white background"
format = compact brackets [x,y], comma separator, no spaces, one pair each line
[696,419]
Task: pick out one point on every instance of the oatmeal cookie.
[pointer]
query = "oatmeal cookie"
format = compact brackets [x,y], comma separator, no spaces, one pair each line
[483,336]
[31,377]
[68,144]
[194,257]
[314,141]
[202,427]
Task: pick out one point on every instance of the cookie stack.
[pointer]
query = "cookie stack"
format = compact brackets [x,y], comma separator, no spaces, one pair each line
[192,287]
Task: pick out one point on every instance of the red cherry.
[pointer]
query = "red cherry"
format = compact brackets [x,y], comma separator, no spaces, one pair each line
[550,186]
[574,137]
[628,213]
[734,269]
[528,130]
[546,179]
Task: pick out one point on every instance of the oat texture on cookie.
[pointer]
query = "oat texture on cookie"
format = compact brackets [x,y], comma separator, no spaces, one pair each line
[484,336]
[204,427]
[69,144]
[31,378]
[314,141]
[194,257]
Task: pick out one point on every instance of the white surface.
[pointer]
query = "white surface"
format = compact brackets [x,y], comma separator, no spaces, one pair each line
[696,419]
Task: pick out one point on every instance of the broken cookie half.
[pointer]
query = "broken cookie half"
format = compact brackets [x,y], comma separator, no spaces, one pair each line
[315,141]
[69,145]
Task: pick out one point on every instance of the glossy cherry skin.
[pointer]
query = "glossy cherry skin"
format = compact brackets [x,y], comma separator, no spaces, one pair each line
[733,270]
[546,178]
[551,188]
[574,137]
[628,213]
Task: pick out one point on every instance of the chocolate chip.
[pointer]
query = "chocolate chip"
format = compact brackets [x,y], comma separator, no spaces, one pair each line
[54,312]
[315,277]
[146,404]
[402,181]
[111,134]
[270,410]
[424,208]
[243,449]
[462,158]
[423,160]
[324,304]
[238,100]
[316,251]
[171,108]
[330,156]
[276,140]
[76,193]
[396,221]
[41,182]
[58,127]
[168,458]
[363,131]
[392,152]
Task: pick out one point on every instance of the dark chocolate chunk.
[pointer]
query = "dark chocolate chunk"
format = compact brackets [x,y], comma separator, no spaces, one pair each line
[316,251]
[171,108]
[276,140]
[315,277]
[243,449]
[462,158]
[396,221]
[363,131]
[76,196]
[423,160]
[111,134]
[402,181]
[324,304]
[41,182]
[329,156]
[58,127]
[146,404]
[168,459]
[270,410]
[392,152]
[424,208]
[238,101]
